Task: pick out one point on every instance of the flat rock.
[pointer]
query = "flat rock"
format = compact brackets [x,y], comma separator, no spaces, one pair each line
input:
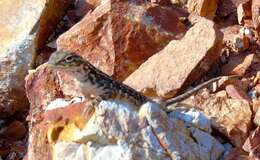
[108,36]
[179,63]
[204,8]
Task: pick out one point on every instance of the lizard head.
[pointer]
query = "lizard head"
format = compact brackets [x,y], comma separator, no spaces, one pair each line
[65,60]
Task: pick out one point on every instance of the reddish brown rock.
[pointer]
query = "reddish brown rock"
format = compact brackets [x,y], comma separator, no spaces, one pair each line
[252,144]
[244,12]
[237,93]
[53,12]
[256,16]
[226,7]
[15,130]
[239,64]
[179,63]
[204,8]
[118,36]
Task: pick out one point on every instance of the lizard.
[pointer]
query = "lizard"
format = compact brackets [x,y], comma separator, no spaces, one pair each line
[101,86]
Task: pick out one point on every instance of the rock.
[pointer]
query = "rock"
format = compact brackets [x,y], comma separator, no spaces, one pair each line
[179,2]
[256,16]
[237,38]
[237,154]
[162,2]
[237,93]
[244,12]
[63,125]
[48,26]
[194,18]
[107,37]
[51,16]
[231,37]
[19,38]
[252,144]
[239,64]
[204,8]
[15,130]
[226,7]
[257,114]
[16,48]
[183,62]
[231,117]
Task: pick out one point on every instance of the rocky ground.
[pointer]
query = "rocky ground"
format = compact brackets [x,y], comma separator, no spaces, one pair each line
[160,48]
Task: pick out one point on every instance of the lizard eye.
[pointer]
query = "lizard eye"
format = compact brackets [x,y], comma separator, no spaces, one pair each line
[69,59]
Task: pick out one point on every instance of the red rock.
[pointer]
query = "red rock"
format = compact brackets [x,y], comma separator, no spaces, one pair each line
[204,8]
[238,64]
[244,12]
[15,130]
[108,36]
[256,16]
[226,7]
[237,93]
[252,144]
[179,63]
[52,14]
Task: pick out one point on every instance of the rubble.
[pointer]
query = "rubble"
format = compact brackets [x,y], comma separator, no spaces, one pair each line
[161,48]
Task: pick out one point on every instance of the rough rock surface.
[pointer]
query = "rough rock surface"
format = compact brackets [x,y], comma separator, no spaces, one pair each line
[66,126]
[256,16]
[252,144]
[257,115]
[226,7]
[107,37]
[16,48]
[239,64]
[231,117]
[204,8]
[166,72]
